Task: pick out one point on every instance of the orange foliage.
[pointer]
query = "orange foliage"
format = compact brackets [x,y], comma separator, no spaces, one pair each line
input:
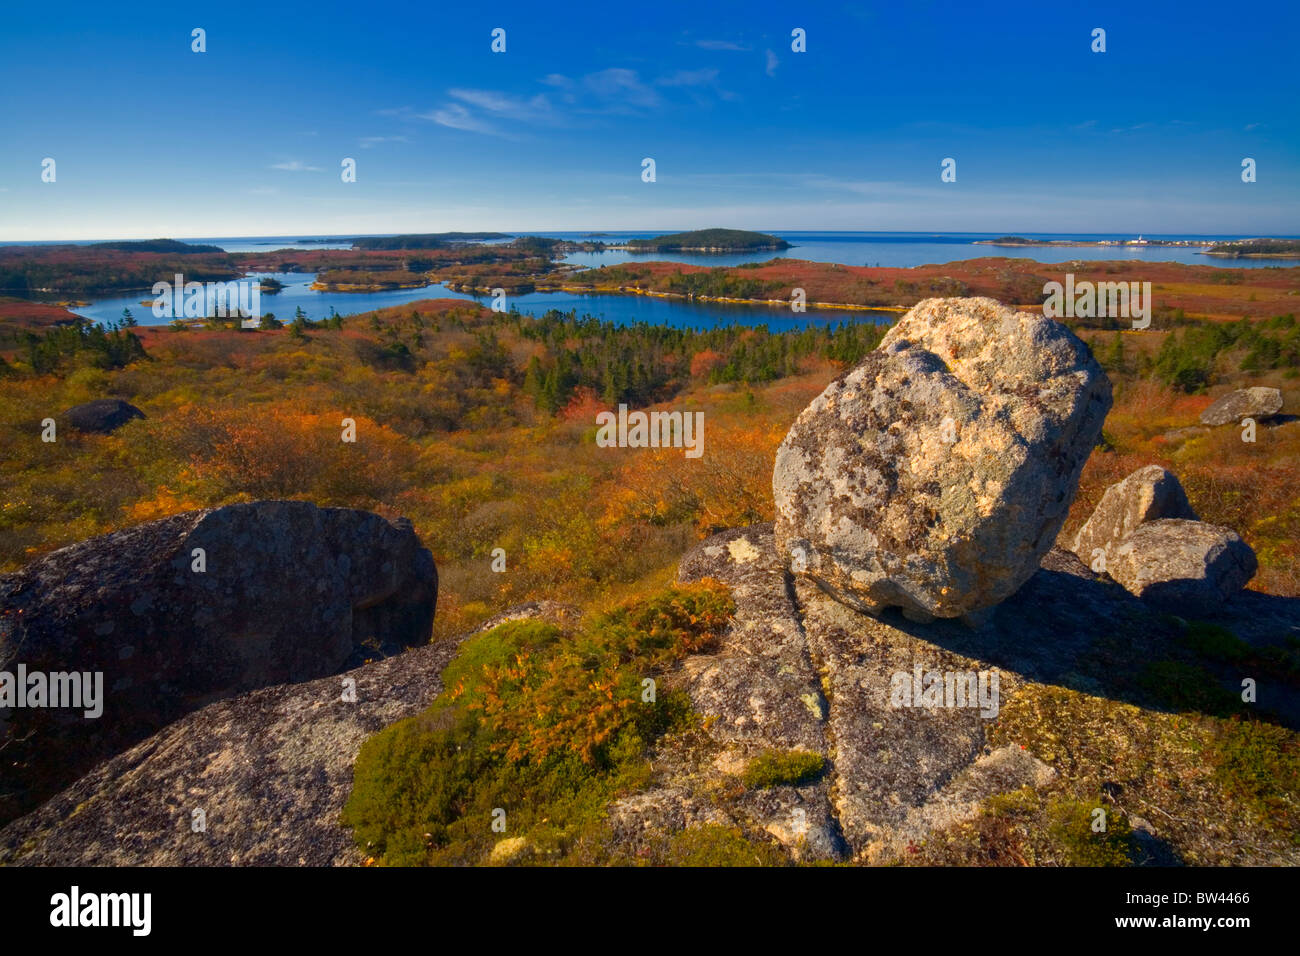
[702,363]
[729,486]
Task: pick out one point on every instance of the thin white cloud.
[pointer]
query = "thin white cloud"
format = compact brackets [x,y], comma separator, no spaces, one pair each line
[295,166]
[606,92]
[722,45]
[533,110]
[456,116]
[772,63]
[688,78]
[618,85]
[368,142]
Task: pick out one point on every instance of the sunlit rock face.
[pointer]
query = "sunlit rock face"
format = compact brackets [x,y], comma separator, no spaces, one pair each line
[1148,494]
[936,474]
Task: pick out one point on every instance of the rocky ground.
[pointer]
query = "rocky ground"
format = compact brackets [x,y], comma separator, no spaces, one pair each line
[269,771]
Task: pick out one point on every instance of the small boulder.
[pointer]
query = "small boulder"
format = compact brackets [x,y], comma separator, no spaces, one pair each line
[1257,403]
[101,416]
[1148,494]
[1183,567]
[936,474]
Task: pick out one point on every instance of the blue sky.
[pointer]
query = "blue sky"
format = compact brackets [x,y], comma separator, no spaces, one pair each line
[151,139]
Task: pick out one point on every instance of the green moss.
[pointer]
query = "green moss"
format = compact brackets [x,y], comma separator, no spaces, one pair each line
[1211,640]
[1259,764]
[544,725]
[1187,687]
[714,845]
[774,768]
[1070,828]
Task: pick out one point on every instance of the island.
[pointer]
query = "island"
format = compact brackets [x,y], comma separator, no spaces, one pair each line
[1257,248]
[708,240]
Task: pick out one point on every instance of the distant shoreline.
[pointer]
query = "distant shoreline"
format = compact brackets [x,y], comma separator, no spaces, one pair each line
[1016,241]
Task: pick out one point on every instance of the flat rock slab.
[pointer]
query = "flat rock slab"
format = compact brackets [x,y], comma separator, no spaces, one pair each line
[270,770]
[760,683]
[1258,402]
[803,671]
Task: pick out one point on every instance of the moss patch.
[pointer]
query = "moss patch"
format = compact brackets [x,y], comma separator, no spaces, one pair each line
[774,768]
[536,730]
[714,845]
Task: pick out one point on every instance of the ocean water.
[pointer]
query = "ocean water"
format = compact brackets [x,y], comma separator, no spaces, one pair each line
[907,249]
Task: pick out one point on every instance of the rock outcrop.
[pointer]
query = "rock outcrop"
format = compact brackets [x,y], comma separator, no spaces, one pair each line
[1188,568]
[201,606]
[936,474]
[270,770]
[1258,403]
[798,670]
[828,680]
[101,416]
[1149,494]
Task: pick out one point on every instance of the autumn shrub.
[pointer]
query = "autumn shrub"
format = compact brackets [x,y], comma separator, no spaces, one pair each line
[727,487]
[273,452]
[544,725]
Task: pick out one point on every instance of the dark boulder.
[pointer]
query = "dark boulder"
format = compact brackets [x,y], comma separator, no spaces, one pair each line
[101,416]
[201,606]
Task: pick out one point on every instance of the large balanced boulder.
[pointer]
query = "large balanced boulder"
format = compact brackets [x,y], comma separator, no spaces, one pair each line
[174,614]
[936,474]
[1149,494]
[1258,402]
[101,416]
[1183,567]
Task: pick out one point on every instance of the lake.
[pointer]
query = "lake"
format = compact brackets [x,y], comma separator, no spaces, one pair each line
[620,309]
